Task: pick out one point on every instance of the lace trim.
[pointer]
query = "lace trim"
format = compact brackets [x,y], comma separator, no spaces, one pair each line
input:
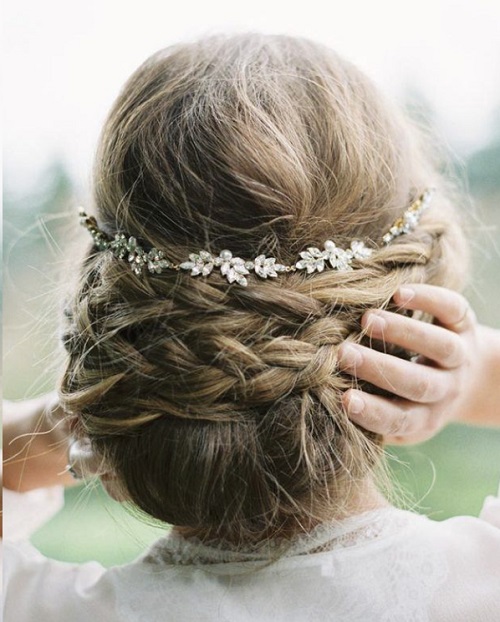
[356,531]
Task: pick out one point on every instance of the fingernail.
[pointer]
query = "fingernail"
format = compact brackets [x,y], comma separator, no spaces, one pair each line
[405,294]
[355,405]
[375,322]
[350,356]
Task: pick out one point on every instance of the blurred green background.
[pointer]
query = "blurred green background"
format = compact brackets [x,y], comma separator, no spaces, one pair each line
[449,475]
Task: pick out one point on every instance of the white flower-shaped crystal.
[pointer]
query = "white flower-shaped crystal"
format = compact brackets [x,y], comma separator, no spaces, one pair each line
[233,268]
[267,266]
[359,250]
[156,261]
[338,258]
[313,260]
[199,263]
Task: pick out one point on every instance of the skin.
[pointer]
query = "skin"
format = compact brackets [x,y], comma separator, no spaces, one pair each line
[35,444]
[456,377]
[38,446]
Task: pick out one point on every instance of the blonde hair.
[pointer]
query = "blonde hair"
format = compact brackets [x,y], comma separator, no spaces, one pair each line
[218,406]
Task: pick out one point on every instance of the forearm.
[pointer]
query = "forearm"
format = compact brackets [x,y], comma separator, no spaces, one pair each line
[34,446]
[483,406]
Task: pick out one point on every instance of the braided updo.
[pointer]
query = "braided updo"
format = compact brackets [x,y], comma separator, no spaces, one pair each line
[219,406]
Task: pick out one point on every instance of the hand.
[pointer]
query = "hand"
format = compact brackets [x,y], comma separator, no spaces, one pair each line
[455,377]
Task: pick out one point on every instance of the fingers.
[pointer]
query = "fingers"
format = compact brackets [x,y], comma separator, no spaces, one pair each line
[420,392]
[450,308]
[438,344]
[419,383]
[396,419]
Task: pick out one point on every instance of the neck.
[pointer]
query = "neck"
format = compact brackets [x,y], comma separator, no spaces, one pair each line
[365,499]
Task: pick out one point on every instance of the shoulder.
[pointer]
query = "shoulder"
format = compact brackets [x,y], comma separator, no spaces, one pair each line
[46,589]
[470,549]
[394,563]
[476,540]
[36,587]
[470,544]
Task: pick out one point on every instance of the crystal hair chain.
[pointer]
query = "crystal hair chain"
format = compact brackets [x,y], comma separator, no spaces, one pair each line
[236,269]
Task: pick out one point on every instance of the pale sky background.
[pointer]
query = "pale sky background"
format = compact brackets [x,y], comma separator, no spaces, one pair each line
[64,62]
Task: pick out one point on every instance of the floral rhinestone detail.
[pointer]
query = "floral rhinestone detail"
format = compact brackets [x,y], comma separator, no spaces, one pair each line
[315,260]
[122,246]
[267,267]
[235,269]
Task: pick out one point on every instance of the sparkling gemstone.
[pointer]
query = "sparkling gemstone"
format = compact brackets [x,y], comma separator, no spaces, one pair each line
[359,250]
[240,268]
[314,252]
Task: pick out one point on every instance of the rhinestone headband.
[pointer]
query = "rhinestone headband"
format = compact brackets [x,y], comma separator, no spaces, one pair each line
[236,269]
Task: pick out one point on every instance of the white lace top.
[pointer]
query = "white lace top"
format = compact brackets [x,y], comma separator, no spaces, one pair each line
[382,566]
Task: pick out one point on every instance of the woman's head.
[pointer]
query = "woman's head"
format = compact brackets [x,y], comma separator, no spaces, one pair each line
[219,406]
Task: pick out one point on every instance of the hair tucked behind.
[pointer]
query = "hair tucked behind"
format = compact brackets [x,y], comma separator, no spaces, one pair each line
[219,406]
